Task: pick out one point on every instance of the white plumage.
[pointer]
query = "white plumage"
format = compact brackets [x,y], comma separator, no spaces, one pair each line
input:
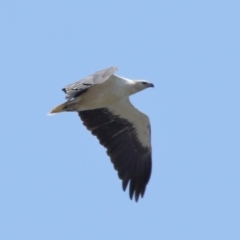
[102,102]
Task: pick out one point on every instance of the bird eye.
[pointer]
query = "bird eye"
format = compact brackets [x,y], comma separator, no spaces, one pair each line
[144,83]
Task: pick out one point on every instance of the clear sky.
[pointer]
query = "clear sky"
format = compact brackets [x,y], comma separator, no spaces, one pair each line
[56,181]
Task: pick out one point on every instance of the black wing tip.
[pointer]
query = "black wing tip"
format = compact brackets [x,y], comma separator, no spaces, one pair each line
[135,191]
[136,195]
[138,182]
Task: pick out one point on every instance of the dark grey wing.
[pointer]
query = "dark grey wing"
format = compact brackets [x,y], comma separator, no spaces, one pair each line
[75,89]
[132,160]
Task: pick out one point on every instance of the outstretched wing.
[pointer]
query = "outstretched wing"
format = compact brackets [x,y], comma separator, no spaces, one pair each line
[125,133]
[75,89]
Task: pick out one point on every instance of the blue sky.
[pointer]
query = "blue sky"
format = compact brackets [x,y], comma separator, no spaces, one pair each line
[56,181]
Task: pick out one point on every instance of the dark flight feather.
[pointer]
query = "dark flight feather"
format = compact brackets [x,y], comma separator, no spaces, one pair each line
[130,158]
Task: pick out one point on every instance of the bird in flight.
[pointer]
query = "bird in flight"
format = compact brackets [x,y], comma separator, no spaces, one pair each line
[102,102]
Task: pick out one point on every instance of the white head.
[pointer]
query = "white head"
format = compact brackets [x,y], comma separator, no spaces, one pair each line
[139,85]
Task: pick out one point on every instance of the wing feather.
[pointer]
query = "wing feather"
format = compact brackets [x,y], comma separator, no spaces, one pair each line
[130,157]
[75,89]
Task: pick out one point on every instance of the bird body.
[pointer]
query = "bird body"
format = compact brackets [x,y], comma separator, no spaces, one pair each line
[102,102]
[111,91]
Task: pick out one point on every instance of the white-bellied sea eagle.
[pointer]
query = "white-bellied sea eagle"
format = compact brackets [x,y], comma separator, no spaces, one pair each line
[102,102]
